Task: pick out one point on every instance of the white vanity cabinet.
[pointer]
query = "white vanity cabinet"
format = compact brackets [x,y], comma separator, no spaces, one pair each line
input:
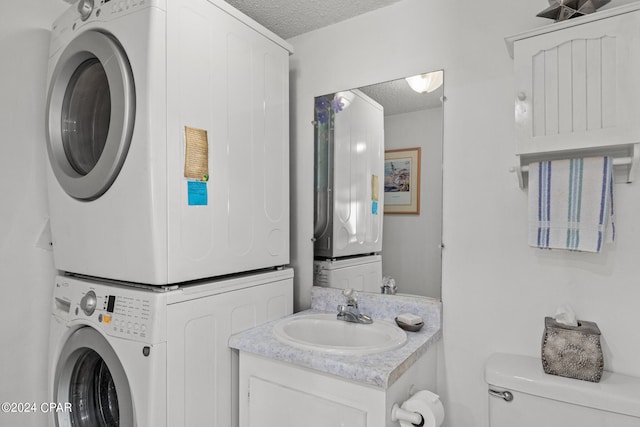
[576,83]
[279,394]
[313,385]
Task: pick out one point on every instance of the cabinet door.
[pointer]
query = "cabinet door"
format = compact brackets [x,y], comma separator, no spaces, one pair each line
[577,87]
[275,405]
[202,371]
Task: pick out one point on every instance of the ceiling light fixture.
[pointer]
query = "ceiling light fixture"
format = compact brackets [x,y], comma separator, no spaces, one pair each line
[346,98]
[427,82]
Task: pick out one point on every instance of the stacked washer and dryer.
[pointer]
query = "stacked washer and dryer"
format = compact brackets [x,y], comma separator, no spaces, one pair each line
[168,183]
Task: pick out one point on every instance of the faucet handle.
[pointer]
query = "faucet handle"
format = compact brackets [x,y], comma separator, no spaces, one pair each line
[351,296]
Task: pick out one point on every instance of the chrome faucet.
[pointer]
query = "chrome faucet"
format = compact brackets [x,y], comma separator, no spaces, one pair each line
[350,311]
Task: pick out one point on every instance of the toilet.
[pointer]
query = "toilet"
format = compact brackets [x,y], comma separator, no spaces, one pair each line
[521,394]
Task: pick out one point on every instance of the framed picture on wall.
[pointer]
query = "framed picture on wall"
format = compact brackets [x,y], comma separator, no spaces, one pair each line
[402,181]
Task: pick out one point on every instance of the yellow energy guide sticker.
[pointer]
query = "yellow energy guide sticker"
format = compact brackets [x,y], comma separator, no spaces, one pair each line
[196,156]
[374,188]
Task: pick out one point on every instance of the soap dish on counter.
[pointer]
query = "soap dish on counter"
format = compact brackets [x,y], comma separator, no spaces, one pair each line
[408,327]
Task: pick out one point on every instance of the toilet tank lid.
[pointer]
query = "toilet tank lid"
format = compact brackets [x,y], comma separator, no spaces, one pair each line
[615,393]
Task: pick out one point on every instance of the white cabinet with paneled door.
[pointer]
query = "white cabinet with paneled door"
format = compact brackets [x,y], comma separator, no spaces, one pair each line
[275,393]
[576,83]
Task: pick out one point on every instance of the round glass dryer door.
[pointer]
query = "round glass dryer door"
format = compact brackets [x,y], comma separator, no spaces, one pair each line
[90,114]
[91,382]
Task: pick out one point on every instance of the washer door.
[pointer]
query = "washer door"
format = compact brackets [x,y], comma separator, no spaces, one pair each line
[90,377]
[90,114]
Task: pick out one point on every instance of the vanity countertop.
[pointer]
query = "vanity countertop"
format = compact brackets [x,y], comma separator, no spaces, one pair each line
[379,369]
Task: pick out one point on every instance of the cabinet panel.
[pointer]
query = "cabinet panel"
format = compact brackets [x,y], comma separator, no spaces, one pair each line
[302,409]
[575,86]
[202,370]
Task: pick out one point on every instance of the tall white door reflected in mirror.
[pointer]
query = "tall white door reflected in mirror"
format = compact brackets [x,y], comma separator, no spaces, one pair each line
[349,142]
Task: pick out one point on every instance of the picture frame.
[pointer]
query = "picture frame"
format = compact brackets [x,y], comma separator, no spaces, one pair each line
[402,181]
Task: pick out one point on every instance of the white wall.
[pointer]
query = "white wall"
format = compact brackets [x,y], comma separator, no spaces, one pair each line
[411,244]
[26,271]
[496,290]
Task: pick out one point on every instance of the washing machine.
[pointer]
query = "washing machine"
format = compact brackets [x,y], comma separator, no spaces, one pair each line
[167,139]
[154,356]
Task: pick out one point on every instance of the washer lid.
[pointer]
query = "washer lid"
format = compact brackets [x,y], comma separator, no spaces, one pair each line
[614,393]
[90,114]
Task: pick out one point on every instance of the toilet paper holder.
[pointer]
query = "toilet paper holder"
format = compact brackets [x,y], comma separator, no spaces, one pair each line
[399,414]
[422,409]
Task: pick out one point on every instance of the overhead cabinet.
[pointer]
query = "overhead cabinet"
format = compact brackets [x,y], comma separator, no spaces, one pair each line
[576,83]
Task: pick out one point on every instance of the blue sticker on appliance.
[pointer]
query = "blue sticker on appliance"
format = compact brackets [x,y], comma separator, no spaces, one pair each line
[374,208]
[197,191]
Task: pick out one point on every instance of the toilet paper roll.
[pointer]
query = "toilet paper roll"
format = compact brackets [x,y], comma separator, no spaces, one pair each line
[426,404]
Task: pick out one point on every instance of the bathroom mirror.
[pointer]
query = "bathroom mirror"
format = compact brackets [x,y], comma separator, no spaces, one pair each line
[403,118]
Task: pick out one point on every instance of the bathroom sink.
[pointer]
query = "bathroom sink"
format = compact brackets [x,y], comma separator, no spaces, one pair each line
[323,332]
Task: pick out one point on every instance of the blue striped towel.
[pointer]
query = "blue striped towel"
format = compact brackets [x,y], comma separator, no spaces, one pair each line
[571,204]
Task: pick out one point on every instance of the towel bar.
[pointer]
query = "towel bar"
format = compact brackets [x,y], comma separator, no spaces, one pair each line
[630,161]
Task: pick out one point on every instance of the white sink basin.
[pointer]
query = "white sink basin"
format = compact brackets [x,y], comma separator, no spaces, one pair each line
[323,332]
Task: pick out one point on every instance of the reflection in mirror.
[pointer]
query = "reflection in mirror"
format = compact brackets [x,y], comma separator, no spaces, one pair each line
[353,128]
[349,145]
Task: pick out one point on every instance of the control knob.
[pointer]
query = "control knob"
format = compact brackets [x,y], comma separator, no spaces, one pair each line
[88,303]
[85,7]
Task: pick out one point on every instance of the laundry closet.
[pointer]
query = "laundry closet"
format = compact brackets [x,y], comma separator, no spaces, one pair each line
[167,139]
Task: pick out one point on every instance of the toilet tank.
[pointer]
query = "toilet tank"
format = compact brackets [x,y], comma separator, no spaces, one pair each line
[522,395]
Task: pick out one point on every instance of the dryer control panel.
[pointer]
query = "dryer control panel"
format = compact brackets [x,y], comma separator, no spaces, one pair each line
[116,310]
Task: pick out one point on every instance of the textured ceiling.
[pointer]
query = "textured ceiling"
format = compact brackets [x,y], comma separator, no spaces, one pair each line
[289,18]
[397,97]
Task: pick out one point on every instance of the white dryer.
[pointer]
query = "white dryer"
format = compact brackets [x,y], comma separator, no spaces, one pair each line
[167,135]
[155,356]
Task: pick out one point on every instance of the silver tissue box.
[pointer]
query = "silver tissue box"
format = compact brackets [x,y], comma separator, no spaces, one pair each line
[572,351]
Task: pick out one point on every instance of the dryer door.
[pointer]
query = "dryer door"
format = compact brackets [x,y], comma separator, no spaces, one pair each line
[90,114]
[91,380]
